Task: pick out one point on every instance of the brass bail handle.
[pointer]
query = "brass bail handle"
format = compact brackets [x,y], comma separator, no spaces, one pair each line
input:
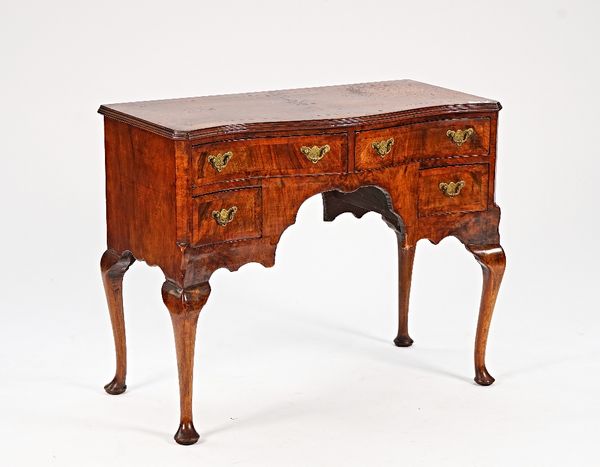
[452,189]
[315,153]
[219,161]
[224,216]
[459,137]
[382,148]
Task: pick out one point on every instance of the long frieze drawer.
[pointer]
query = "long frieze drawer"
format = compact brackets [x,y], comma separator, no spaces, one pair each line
[226,216]
[440,138]
[445,190]
[229,160]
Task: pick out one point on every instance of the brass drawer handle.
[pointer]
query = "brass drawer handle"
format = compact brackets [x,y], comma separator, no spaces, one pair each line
[459,137]
[224,216]
[452,189]
[315,153]
[382,148]
[219,161]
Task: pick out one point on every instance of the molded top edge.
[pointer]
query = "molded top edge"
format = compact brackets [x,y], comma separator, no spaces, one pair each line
[322,107]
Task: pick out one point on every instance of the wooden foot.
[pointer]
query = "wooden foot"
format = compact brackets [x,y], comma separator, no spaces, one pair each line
[113,266]
[186,434]
[406,258]
[184,305]
[493,262]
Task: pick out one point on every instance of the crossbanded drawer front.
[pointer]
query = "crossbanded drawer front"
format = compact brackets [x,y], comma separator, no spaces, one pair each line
[264,157]
[460,188]
[227,216]
[439,138]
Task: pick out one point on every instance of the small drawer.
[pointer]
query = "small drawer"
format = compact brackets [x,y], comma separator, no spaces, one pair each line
[375,149]
[226,216]
[439,138]
[461,188]
[265,157]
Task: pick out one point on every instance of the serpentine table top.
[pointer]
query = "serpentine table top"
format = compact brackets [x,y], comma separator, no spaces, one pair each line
[326,106]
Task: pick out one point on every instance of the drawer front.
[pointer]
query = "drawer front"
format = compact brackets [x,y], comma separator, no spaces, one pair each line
[376,149]
[230,160]
[226,216]
[461,188]
[440,138]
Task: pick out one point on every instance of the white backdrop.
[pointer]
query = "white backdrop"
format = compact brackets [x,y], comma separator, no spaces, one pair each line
[286,378]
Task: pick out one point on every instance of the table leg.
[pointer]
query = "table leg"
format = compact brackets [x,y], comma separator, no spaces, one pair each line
[113,267]
[184,305]
[406,258]
[493,262]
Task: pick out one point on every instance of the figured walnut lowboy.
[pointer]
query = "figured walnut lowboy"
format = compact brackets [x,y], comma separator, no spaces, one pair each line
[193,185]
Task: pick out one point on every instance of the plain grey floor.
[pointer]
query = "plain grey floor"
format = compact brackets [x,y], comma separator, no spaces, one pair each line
[312,378]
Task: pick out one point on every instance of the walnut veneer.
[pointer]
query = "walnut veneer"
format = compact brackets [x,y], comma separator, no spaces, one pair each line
[193,185]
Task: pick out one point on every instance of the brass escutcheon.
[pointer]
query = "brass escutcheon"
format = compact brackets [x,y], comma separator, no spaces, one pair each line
[382,148]
[315,153]
[452,189]
[224,216]
[459,137]
[219,161]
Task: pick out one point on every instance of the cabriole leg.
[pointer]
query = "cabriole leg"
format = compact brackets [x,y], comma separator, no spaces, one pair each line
[184,305]
[406,258]
[493,262]
[113,266]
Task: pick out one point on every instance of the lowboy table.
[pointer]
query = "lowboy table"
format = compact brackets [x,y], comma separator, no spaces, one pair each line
[193,185]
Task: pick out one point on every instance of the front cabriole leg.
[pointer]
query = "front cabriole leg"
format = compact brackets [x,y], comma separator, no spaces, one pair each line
[184,305]
[493,261]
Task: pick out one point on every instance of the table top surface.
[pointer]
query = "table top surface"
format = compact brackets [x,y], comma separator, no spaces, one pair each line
[178,117]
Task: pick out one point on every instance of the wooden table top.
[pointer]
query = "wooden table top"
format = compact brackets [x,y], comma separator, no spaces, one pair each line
[330,106]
